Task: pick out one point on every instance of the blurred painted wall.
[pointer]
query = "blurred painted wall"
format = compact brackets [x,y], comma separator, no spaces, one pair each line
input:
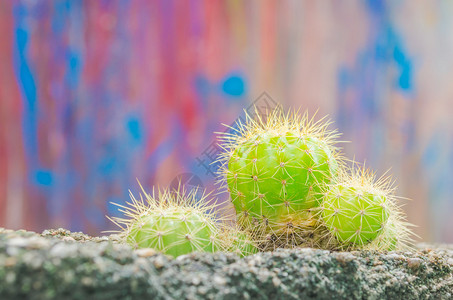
[94,94]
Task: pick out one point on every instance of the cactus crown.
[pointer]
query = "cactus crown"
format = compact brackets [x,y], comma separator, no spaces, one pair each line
[275,123]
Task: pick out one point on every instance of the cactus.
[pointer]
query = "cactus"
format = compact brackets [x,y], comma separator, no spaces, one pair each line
[360,213]
[395,236]
[275,170]
[175,223]
[242,243]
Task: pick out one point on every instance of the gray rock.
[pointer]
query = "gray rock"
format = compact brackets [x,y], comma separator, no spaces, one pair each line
[51,266]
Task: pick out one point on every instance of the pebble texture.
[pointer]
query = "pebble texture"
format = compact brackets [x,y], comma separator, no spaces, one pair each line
[61,265]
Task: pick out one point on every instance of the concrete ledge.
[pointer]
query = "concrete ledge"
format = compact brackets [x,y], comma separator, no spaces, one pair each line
[62,265]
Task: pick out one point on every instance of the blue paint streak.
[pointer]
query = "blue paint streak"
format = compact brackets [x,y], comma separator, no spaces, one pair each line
[59,16]
[107,165]
[405,66]
[28,86]
[135,129]
[389,45]
[376,6]
[112,209]
[44,177]
[383,52]
[344,78]
[385,48]
[233,85]
[74,68]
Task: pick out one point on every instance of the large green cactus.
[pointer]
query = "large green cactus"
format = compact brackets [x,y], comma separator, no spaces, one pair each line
[275,171]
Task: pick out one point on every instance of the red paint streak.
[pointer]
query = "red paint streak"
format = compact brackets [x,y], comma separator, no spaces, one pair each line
[99,33]
[11,148]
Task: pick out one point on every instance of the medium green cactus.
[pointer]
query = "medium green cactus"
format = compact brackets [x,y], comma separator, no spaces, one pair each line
[275,171]
[174,222]
[362,214]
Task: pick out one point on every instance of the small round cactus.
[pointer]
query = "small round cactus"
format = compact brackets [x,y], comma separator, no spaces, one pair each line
[395,236]
[174,222]
[276,169]
[360,213]
[353,214]
[241,243]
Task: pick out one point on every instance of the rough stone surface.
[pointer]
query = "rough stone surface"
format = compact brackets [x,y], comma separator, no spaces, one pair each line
[59,264]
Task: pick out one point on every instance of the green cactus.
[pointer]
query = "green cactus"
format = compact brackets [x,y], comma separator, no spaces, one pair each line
[175,223]
[354,214]
[275,171]
[241,243]
[362,214]
[395,236]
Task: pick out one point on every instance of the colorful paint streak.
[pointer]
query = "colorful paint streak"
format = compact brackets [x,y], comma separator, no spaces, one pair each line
[95,94]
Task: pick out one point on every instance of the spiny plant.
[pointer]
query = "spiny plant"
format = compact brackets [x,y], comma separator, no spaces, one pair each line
[397,235]
[362,213]
[275,168]
[175,222]
[241,242]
